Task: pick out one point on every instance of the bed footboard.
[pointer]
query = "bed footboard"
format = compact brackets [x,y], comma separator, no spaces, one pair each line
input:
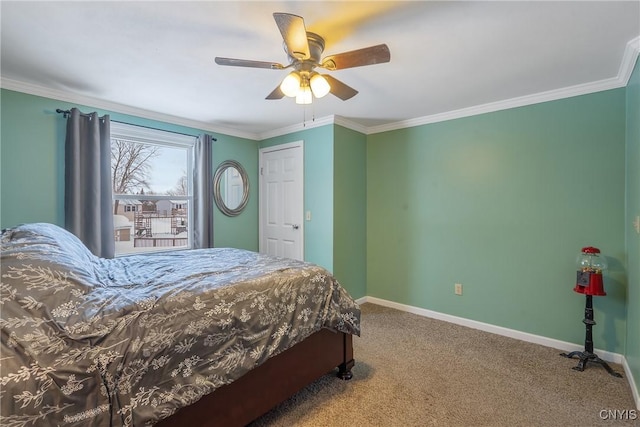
[262,388]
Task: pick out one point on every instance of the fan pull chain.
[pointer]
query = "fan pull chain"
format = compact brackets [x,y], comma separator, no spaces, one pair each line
[304,115]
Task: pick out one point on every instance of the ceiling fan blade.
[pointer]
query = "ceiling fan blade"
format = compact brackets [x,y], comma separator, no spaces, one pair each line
[367,56]
[340,89]
[294,34]
[248,63]
[276,94]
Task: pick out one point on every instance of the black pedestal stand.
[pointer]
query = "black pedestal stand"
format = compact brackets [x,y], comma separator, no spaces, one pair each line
[587,355]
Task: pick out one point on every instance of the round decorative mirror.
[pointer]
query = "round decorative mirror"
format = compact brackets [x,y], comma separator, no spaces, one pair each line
[231,188]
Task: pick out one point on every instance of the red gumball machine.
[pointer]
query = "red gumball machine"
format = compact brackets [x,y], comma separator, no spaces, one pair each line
[589,283]
[590,268]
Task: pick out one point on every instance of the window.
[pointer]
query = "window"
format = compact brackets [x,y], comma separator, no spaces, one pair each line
[151,172]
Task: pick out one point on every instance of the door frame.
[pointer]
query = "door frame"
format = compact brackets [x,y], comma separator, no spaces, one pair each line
[261,207]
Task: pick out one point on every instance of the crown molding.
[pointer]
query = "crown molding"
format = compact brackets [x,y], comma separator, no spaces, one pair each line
[305,125]
[346,123]
[60,95]
[491,107]
[629,58]
[327,120]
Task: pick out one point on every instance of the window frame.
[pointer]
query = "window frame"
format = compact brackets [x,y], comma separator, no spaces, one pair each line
[159,138]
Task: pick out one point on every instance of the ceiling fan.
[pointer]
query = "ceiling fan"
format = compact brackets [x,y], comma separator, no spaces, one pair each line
[304,50]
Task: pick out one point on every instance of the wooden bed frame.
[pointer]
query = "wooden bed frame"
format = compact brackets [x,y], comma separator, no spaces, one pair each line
[277,379]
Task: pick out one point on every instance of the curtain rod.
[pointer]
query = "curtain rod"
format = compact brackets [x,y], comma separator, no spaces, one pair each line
[66,113]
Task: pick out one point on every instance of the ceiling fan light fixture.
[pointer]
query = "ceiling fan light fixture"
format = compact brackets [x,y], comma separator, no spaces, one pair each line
[290,86]
[319,85]
[304,50]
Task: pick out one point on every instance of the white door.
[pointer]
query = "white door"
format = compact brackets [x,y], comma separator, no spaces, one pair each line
[282,200]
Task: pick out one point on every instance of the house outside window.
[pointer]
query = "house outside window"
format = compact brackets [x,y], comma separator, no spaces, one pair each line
[152,189]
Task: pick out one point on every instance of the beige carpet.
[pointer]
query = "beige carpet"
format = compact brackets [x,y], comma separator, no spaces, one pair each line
[415,371]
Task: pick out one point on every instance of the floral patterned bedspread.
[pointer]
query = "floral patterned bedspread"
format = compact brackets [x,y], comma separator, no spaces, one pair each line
[127,341]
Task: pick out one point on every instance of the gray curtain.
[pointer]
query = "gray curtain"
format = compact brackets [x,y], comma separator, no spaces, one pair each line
[203,193]
[88,204]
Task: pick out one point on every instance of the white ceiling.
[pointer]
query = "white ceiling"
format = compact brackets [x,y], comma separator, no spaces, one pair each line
[157,58]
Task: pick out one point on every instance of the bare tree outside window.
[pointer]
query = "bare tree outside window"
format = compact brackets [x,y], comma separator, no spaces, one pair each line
[130,167]
[181,188]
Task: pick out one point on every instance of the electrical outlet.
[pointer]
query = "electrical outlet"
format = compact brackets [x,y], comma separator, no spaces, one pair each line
[458,288]
[636,224]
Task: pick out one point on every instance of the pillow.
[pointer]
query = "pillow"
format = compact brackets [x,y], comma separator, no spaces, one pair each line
[47,274]
[48,242]
[53,235]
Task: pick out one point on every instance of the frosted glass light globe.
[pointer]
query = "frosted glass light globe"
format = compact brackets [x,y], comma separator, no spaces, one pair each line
[290,86]
[319,86]
[304,96]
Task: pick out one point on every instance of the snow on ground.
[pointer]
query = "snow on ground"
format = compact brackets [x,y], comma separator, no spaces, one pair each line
[161,228]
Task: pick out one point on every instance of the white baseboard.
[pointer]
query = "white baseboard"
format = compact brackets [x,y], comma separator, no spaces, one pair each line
[511,333]
[632,383]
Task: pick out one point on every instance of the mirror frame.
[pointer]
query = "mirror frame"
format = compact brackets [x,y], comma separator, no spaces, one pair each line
[217,196]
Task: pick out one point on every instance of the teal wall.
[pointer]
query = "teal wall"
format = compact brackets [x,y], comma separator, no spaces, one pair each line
[632,353]
[502,203]
[239,231]
[32,164]
[318,190]
[32,159]
[350,210]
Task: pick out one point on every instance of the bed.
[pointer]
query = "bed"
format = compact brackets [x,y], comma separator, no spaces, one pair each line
[197,337]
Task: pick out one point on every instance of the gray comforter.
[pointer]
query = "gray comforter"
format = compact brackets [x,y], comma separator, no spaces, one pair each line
[127,341]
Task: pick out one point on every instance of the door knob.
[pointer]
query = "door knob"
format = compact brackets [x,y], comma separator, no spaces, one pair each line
[295,226]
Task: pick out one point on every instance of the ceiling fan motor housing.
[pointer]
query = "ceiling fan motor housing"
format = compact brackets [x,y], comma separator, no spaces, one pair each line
[316,47]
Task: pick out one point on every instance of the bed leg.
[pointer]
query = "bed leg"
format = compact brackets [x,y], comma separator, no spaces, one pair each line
[344,370]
